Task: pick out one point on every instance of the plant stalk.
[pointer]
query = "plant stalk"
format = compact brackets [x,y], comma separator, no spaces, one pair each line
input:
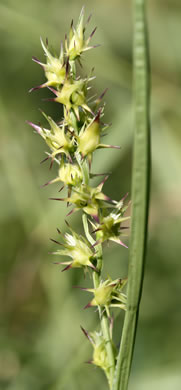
[104,320]
[140,194]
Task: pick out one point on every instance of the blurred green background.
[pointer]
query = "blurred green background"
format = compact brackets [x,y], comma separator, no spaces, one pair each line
[41,344]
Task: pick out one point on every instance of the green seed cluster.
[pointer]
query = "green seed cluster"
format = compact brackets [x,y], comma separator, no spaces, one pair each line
[71,143]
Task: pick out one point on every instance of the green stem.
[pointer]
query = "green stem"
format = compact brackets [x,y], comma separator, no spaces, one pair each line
[140,196]
[104,320]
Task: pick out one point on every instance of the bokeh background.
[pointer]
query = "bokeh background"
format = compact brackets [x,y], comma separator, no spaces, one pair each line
[41,345]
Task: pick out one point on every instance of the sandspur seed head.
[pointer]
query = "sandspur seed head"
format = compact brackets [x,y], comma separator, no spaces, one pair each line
[77,43]
[78,248]
[56,138]
[109,226]
[100,356]
[89,137]
[68,173]
[109,294]
[55,67]
[72,95]
[90,199]
[79,134]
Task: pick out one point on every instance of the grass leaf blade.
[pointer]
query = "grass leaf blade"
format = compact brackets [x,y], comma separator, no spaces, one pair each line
[140,194]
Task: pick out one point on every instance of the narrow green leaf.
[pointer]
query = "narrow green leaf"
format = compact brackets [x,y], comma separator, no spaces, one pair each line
[140,195]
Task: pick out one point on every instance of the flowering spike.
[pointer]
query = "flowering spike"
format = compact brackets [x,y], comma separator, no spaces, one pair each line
[72,141]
